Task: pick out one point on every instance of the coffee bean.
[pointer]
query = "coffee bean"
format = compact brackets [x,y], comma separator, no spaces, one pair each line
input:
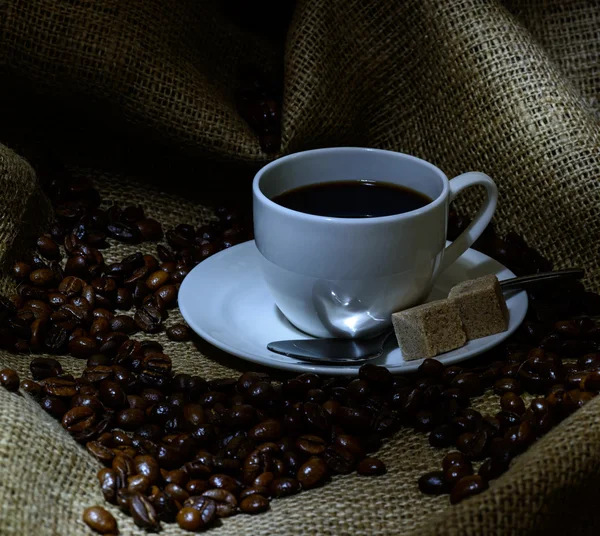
[432,483]
[63,387]
[147,466]
[268,430]
[442,436]
[312,473]
[78,419]
[206,507]
[431,368]
[254,504]
[467,487]
[42,277]
[82,347]
[123,323]
[54,406]
[225,482]
[507,385]
[225,501]
[371,467]
[455,472]
[157,279]
[100,520]
[455,458]
[21,270]
[130,419]
[469,384]
[513,403]
[311,444]
[150,229]
[178,332]
[143,513]
[34,389]
[48,248]
[9,379]
[283,487]
[102,453]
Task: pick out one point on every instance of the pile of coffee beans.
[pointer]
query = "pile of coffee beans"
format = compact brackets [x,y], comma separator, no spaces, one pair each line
[180,448]
[68,295]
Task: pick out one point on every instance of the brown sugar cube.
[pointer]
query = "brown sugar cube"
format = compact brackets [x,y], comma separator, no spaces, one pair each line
[482,306]
[428,330]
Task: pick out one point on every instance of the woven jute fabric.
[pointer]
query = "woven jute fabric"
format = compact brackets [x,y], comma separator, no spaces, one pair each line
[508,88]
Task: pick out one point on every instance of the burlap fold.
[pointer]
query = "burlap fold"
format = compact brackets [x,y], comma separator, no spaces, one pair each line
[502,87]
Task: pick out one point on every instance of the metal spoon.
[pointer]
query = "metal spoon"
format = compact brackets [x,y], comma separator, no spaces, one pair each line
[356,351]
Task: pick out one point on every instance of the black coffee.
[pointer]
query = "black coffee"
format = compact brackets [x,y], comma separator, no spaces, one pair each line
[352,199]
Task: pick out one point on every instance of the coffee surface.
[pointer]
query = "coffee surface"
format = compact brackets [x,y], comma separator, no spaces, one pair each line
[352,199]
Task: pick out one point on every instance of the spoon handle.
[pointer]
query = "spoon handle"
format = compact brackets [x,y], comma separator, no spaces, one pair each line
[532,281]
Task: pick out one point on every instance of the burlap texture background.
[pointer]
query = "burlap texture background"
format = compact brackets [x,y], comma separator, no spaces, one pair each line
[148,87]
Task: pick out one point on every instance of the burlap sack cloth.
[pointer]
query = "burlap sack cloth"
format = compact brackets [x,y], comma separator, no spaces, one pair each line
[147,88]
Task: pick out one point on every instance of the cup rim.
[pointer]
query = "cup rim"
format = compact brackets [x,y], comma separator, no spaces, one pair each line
[260,196]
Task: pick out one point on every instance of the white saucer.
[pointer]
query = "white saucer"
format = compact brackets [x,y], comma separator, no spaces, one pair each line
[225,300]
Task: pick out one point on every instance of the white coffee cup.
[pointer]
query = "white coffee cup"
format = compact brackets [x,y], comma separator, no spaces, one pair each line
[344,277]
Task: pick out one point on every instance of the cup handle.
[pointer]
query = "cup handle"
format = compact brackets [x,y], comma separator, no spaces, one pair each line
[479,223]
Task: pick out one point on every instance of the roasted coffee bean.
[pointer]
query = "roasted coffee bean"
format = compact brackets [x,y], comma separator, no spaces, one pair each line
[432,483]
[143,513]
[225,482]
[455,458]
[254,504]
[59,386]
[312,473]
[123,323]
[102,453]
[311,444]
[467,487]
[469,384]
[354,420]
[82,347]
[147,466]
[507,419]
[424,421]
[157,279]
[507,385]
[442,436]
[79,419]
[150,229]
[371,467]
[42,277]
[431,368]
[21,270]
[283,487]
[512,402]
[54,406]
[130,419]
[339,460]
[473,445]
[48,248]
[591,382]
[268,430]
[109,484]
[176,492]
[138,483]
[455,472]
[178,332]
[225,501]
[206,507]
[111,394]
[34,389]
[100,520]
[9,379]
